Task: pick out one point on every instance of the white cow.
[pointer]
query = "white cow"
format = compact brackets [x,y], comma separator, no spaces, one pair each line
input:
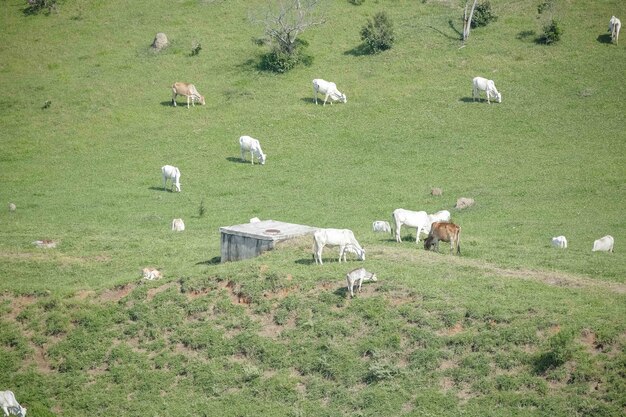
[187,90]
[440,216]
[9,404]
[178,225]
[488,86]
[381,226]
[559,242]
[418,219]
[344,238]
[356,277]
[253,146]
[604,244]
[614,26]
[255,220]
[172,173]
[329,89]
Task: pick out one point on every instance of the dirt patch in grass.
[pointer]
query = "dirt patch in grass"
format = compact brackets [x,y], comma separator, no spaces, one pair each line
[116,293]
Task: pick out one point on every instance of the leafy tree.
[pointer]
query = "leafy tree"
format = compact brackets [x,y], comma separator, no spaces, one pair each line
[483,15]
[378,33]
[551,33]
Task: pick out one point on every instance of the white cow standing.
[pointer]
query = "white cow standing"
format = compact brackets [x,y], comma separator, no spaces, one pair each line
[440,216]
[420,220]
[9,404]
[614,27]
[178,225]
[344,238]
[488,86]
[604,244]
[249,144]
[172,173]
[329,89]
[559,242]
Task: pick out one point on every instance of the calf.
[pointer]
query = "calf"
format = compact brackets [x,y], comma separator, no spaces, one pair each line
[187,90]
[381,226]
[356,277]
[9,404]
[448,232]
[172,173]
[248,144]
[488,86]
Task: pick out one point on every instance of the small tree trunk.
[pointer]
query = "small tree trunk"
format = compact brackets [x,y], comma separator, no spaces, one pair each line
[467,20]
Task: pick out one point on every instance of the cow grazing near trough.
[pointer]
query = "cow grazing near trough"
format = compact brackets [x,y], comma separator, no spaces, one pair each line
[559,242]
[356,277]
[178,225]
[329,89]
[604,244]
[417,219]
[446,231]
[614,27]
[187,90]
[488,86]
[249,144]
[344,238]
[9,404]
[381,226]
[440,216]
[171,173]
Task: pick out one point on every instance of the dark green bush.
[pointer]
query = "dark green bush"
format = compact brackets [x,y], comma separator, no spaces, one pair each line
[356,2]
[551,33]
[483,15]
[378,33]
[281,61]
[36,6]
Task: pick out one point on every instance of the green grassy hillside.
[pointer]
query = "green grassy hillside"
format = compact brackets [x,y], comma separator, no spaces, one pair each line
[513,327]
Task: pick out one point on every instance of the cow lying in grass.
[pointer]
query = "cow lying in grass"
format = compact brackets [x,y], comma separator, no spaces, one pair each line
[448,232]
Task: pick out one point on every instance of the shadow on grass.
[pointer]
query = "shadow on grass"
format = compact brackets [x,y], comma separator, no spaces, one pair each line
[360,50]
[153,188]
[342,292]
[309,100]
[526,35]
[604,38]
[306,261]
[237,160]
[445,34]
[460,35]
[213,261]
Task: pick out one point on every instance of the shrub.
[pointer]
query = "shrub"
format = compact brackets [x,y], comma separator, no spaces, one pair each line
[280,61]
[356,2]
[483,15]
[544,5]
[36,6]
[378,33]
[195,48]
[551,33]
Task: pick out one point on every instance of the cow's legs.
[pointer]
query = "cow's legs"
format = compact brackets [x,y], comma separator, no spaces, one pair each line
[174,98]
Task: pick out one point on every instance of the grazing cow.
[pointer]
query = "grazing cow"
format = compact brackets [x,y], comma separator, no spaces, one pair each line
[253,146]
[559,242]
[488,86]
[418,219]
[172,173]
[187,90]
[440,216]
[448,232]
[381,226]
[329,89]
[604,244]
[614,26]
[356,277]
[178,225]
[344,238]
[9,404]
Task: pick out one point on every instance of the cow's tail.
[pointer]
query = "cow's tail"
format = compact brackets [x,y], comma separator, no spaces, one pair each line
[458,242]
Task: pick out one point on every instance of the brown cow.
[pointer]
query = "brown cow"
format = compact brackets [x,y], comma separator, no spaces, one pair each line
[448,232]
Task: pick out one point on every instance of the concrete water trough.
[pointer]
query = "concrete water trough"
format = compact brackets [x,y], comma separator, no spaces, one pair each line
[244,241]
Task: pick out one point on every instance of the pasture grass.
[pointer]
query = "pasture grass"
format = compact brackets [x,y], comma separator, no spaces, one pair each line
[512,327]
